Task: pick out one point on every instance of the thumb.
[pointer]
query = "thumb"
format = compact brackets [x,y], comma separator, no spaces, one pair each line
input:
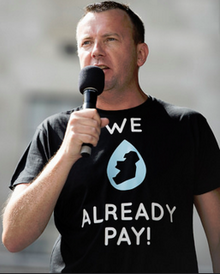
[104,122]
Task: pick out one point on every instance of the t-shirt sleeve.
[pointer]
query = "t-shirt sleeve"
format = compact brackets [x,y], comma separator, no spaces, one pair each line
[33,160]
[207,163]
[46,141]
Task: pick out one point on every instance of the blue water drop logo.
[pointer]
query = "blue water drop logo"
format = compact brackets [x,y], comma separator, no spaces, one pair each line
[126,168]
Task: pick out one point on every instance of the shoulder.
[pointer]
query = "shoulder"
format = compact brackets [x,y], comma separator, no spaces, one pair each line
[187,120]
[175,112]
[56,121]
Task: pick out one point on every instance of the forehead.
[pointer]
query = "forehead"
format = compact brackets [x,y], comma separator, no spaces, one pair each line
[112,20]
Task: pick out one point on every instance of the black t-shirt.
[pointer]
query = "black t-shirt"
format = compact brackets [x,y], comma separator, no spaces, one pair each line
[129,207]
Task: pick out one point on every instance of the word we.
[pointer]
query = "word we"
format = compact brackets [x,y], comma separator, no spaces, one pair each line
[134,124]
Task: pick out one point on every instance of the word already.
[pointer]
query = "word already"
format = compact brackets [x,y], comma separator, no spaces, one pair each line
[126,213]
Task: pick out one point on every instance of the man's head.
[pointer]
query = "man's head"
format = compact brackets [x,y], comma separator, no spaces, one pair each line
[107,37]
[138,25]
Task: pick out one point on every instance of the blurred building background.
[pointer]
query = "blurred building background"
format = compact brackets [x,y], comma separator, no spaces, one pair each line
[39,77]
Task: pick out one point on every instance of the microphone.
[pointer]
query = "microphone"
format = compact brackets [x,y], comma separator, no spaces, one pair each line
[91,84]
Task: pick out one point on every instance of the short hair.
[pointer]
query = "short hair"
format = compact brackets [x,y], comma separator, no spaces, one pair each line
[138,25]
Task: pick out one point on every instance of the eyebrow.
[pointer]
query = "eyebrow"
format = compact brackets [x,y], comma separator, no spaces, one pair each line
[104,35]
[111,34]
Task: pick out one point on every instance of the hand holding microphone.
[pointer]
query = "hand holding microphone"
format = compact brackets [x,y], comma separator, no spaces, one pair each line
[91,84]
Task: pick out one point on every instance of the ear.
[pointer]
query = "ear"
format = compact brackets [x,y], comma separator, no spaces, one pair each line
[142,53]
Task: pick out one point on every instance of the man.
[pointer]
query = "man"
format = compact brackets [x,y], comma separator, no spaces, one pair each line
[111,220]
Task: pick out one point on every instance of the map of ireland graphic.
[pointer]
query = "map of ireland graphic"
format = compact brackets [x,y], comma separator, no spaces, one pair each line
[126,168]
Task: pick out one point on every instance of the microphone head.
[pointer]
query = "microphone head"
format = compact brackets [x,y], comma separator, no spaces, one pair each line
[92,77]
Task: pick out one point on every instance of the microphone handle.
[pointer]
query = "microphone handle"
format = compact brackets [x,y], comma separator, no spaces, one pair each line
[90,98]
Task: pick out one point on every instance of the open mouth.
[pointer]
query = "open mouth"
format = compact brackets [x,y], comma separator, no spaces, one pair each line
[103,67]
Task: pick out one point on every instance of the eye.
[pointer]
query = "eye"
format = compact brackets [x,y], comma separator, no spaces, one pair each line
[86,43]
[109,39]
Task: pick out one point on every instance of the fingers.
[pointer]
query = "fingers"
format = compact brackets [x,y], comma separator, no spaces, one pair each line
[83,127]
[86,125]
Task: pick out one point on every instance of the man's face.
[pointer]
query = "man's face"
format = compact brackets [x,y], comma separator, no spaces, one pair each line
[105,39]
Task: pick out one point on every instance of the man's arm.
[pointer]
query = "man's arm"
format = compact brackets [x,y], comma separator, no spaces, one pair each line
[208,207]
[30,206]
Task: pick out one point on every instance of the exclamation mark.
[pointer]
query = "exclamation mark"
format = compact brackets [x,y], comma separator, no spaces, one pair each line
[148,235]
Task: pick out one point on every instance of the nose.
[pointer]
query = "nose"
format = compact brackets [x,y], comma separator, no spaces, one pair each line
[97,50]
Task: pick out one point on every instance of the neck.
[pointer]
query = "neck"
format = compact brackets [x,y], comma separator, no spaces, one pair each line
[115,101]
